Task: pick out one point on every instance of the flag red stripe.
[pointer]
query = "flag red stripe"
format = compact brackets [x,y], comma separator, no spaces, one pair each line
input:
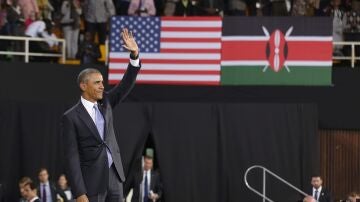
[309,50]
[244,50]
[197,40]
[174,72]
[297,50]
[171,18]
[168,50]
[170,82]
[166,61]
[192,29]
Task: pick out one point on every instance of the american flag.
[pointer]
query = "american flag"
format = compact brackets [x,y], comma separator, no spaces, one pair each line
[173,50]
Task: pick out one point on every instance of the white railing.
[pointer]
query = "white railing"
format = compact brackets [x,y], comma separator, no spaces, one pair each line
[352,57]
[264,172]
[27,52]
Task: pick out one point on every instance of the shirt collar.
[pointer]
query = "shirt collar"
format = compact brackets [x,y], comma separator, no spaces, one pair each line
[33,199]
[87,104]
[319,190]
[46,183]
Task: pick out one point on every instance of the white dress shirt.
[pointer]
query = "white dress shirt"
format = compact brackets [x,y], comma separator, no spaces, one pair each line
[319,191]
[33,199]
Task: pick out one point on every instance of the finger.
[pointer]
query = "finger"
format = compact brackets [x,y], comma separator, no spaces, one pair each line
[131,34]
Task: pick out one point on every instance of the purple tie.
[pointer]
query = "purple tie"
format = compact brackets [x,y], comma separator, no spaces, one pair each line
[100,123]
[44,193]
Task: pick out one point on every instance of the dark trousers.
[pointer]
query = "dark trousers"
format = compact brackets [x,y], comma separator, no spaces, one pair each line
[99,28]
[114,192]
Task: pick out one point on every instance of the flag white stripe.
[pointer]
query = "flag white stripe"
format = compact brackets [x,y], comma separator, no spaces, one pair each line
[265,38]
[308,63]
[201,35]
[309,38]
[182,45]
[264,62]
[169,77]
[245,38]
[185,67]
[197,24]
[170,56]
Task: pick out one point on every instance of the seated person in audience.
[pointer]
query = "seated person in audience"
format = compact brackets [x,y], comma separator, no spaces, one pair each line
[309,199]
[353,197]
[142,8]
[30,192]
[63,188]
[23,181]
[89,51]
[320,193]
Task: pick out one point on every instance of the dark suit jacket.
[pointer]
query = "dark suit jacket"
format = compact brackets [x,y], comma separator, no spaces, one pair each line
[155,185]
[52,190]
[85,152]
[325,195]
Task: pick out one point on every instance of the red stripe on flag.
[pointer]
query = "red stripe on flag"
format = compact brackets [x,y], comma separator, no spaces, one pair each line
[174,72]
[171,18]
[297,50]
[243,50]
[167,61]
[168,50]
[170,82]
[197,40]
[310,50]
[191,29]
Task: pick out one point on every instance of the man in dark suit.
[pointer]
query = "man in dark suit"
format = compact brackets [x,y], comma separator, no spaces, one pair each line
[320,193]
[92,155]
[46,189]
[30,192]
[146,184]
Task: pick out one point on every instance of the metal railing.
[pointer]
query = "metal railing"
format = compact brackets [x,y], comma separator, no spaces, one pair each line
[27,52]
[352,57]
[264,172]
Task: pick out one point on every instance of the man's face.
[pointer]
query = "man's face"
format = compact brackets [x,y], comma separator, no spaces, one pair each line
[316,182]
[43,176]
[93,88]
[28,193]
[148,164]
[22,190]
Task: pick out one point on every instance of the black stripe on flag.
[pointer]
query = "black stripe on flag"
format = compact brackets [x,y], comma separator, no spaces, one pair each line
[252,26]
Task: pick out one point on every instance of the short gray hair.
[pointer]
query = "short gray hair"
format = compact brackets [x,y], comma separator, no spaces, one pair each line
[84,75]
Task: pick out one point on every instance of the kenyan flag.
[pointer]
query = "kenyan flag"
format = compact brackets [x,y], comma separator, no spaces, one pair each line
[276,51]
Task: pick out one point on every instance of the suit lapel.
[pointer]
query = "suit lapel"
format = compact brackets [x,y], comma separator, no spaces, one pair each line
[86,118]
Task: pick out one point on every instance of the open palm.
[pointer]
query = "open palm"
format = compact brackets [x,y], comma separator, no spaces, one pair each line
[129,42]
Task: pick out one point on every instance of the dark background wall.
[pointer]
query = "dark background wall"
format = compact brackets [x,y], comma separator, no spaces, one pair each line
[204,137]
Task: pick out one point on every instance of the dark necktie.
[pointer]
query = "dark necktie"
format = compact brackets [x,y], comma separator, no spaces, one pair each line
[146,189]
[316,195]
[44,193]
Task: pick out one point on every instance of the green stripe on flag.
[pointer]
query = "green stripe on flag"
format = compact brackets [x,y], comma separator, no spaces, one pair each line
[254,75]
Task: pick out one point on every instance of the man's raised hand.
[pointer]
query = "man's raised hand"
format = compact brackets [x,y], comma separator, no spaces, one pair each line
[129,42]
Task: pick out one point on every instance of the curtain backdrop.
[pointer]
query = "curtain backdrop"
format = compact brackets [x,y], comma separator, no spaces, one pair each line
[202,149]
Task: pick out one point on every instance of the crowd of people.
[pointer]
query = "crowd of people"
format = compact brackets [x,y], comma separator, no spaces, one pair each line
[79,21]
[45,190]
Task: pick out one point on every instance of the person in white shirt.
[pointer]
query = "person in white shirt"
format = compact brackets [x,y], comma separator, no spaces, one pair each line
[42,29]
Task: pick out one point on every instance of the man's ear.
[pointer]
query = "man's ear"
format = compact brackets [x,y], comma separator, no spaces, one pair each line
[83,86]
